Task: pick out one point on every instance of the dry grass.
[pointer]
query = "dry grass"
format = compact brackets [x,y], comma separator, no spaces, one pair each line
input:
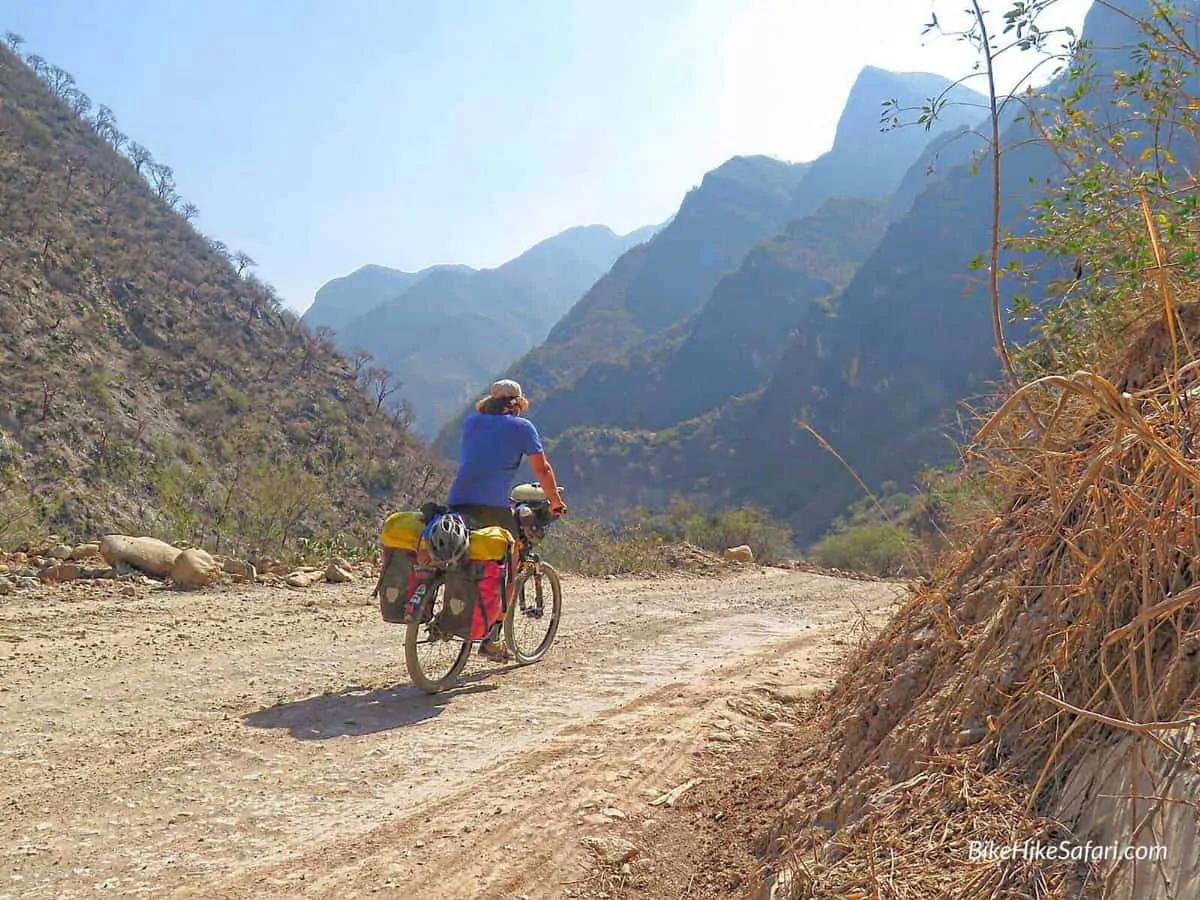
[1071,626]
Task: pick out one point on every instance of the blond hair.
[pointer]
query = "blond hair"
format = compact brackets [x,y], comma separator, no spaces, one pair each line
[498,406]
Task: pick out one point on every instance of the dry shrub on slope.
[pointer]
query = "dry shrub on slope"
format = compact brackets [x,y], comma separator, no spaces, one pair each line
[1067,638]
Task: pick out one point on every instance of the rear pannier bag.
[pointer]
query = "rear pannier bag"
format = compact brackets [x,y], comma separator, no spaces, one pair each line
[474,590]
[474,600]
[399,579]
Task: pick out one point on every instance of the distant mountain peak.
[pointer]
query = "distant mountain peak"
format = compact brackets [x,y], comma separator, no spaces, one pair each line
[495,314]
[874,86]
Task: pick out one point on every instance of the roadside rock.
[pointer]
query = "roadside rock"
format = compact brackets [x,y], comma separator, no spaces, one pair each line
[614,851]
[148,554]
[85,551]
[340,572]
[60,573]
[302,578]
[740,553]
[59,551]
[195,568]
[6,586]
[798,693]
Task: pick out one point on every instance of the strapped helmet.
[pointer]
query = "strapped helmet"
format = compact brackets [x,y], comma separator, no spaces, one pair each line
[448,538]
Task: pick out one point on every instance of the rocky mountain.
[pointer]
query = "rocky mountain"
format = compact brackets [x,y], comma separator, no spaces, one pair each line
[661,282]
[622,334]
[733,343]
[450,330]
[881,379]
[864,162]
[148,381]
[878,380]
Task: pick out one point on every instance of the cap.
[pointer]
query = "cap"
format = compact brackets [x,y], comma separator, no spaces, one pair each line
[504,389]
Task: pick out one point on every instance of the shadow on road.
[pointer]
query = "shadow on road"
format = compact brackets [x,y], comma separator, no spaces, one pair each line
[359,710]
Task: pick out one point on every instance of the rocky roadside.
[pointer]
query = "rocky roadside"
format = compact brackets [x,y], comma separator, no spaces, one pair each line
[147,560]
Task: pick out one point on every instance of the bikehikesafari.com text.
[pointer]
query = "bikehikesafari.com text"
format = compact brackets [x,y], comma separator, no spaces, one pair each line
[1036,851]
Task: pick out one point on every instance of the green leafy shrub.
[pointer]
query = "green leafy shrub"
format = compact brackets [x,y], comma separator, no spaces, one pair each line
[874,549]
[770,540]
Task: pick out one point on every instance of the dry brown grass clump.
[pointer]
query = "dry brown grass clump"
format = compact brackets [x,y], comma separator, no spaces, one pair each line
[1069,630]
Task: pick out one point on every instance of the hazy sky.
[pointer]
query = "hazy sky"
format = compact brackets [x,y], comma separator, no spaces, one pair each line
[320,136]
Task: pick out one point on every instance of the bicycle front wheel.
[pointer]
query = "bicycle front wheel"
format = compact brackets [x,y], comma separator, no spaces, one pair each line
[531,623]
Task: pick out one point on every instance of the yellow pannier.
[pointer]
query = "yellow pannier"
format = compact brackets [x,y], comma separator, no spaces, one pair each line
[490,543]
[402,531]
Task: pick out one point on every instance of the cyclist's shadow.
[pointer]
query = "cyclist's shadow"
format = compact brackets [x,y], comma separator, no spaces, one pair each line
[357,710]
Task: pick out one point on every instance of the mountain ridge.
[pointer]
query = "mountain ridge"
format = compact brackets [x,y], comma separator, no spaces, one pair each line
[432,335]
[881,380]
[647,294]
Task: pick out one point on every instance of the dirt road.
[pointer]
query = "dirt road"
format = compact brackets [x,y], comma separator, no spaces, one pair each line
[266,742]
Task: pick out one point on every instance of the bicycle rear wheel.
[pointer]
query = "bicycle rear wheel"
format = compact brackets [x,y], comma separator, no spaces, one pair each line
[529,616]
[431,676]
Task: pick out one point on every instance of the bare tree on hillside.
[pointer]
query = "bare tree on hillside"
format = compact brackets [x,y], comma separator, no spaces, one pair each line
[72,166]
[360,358]
[273,300]
[163,178]
[220,248]
[310,349]
[140,156]
[189,211]
[324,336]
[14,41]
[80,102]
[36,64]
[243,261]
[107,183]
[104,121]
[60,81]
[49,392]
[378,381]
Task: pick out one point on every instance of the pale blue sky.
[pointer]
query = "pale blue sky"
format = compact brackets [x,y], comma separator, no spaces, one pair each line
[320,136]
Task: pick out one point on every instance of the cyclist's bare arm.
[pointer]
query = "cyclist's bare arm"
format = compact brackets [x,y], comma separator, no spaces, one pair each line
[545,476]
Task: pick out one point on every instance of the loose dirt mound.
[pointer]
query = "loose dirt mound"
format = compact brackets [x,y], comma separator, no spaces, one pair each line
[984,711]
[686,557]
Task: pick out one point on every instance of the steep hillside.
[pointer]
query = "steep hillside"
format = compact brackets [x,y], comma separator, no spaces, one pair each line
[912,337]
[455,328]
[144,383]
[624,323]
[876,380]
[663,281]
[732,345]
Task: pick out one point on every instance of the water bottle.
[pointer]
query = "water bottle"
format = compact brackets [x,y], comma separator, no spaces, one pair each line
[414,602]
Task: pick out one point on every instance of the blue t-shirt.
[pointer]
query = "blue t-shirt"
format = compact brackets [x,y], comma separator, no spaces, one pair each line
[492,447]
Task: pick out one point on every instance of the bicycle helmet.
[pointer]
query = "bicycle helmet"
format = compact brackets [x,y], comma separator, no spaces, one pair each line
[448,538]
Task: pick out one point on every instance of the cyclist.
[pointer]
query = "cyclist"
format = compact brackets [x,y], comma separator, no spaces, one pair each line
[495,438]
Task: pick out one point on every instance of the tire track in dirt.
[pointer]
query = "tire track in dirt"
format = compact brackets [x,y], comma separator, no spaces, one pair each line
[266,743]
